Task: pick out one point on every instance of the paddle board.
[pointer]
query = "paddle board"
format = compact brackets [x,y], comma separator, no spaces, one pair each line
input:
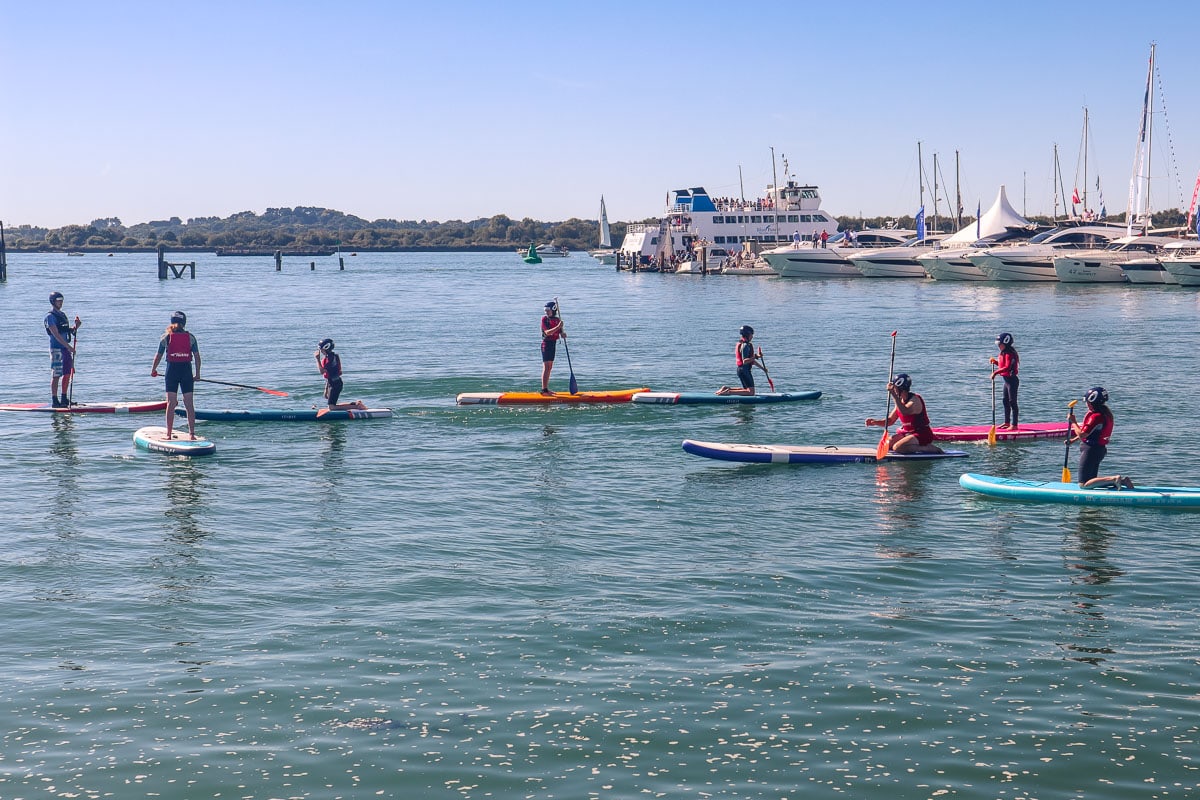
[978,433]
[155,438]
[528,398]
[295,415]
[89,408]
[1055,492]
[690,398]
[800,454]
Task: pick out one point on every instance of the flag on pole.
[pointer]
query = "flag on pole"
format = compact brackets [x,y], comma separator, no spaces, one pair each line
[921,223]
[1075,197]
[978,222]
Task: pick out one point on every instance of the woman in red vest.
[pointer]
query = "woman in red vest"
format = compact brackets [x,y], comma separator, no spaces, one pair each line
[181,350]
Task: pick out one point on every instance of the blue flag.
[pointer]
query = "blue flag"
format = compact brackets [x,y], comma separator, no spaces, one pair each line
[978,226]
[921,223]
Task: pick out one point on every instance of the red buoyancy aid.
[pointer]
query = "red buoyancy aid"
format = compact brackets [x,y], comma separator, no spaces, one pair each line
[737,351]
[915,422]
[179,347]
[1097,428]
[549,322]
[1008,363]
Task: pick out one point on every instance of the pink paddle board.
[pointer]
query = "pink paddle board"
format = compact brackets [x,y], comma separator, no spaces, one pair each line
[979,433]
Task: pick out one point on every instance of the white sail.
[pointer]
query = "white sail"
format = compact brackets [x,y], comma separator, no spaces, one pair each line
[605,235]
[1138,215]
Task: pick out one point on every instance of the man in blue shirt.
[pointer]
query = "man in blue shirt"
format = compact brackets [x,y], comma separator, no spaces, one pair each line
[62,352]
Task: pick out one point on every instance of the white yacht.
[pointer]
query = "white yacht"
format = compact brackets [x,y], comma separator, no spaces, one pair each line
[1034,260]
[1107,265]
[801,260]
[546,251]
[999,225]
[1182,262]
[692,215]
[896,262]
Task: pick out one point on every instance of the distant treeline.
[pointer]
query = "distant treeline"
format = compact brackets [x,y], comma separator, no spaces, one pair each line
[283,228]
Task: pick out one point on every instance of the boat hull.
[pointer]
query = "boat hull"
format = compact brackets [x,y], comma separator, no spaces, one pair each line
[1185,273]
[999,269]
[952,269]
[827,263]
[1082,270]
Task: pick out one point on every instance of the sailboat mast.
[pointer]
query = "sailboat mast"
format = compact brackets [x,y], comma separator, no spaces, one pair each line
[1085,156]
[775,193]
[920,178]
[957,194]
[935,192]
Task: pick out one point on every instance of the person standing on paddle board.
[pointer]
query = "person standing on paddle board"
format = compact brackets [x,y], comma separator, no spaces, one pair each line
[330,365]
[552,331]
[62,352]
[915,434]
[1006,367]
[182,350]
[1093,435]
[746,359]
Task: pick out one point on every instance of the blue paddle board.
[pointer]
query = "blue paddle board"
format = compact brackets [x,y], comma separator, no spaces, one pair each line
[1056,492]
[692,398]
[155,438]
[281,415]
[801,454]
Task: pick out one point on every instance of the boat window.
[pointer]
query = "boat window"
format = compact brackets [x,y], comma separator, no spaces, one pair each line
[1041,237]
[718,220]
[718,240]
[768,218]
[793,218]
[820,218]
[806,217]
[755,219]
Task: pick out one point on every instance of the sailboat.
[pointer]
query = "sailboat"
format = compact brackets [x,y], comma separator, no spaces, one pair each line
[901,262]
[606,254]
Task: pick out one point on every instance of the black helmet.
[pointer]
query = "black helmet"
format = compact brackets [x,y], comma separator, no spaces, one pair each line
[325,345]
[1097,396]
[902,382]
[179,317]
[552,306]
[745,330]
[1004,339]
[55,296]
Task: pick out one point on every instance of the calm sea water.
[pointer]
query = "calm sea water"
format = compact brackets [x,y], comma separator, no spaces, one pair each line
[560,603]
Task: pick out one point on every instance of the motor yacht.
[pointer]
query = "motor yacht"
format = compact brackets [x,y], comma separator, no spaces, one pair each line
[1034,260]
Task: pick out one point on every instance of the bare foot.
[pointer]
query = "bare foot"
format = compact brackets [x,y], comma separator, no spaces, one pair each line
[322,412]
[360,405]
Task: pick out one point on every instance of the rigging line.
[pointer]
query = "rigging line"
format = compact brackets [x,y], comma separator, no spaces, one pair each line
[1174,163]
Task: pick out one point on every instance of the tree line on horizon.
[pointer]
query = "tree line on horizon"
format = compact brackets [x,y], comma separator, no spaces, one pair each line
[283,228]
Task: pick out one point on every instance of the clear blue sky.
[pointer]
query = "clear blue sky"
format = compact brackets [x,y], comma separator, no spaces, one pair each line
[146,110]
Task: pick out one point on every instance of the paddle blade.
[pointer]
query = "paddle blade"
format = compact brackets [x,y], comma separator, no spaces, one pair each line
[992,435]
[1066,475]
[882,450]
[573,385]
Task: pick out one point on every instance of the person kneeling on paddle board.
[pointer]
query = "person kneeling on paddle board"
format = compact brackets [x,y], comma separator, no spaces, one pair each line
[552,331]
[747,360]
[181,349]
[330,365]
[1093,436]
[915,435]
[1006,367]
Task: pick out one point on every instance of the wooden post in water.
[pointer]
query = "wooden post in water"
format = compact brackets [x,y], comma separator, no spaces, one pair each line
[341,263]
[3,256]
[279,261]
[175,269]
[312,266]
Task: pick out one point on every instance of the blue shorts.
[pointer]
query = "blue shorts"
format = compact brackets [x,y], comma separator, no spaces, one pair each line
[746,376]
[179,377]
[61,362]
[548,348]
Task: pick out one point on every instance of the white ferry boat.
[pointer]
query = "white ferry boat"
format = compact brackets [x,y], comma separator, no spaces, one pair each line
[693,216]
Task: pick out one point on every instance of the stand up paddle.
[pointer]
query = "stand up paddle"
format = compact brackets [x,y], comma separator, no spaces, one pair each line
[992,430]
[245,386]
[74,361]
[1066,472]
[882,450]
[572,385]
[763,364]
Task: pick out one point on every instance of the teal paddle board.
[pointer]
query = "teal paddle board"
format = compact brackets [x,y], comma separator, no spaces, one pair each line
[155,438]
[1056,492]
[693,398]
